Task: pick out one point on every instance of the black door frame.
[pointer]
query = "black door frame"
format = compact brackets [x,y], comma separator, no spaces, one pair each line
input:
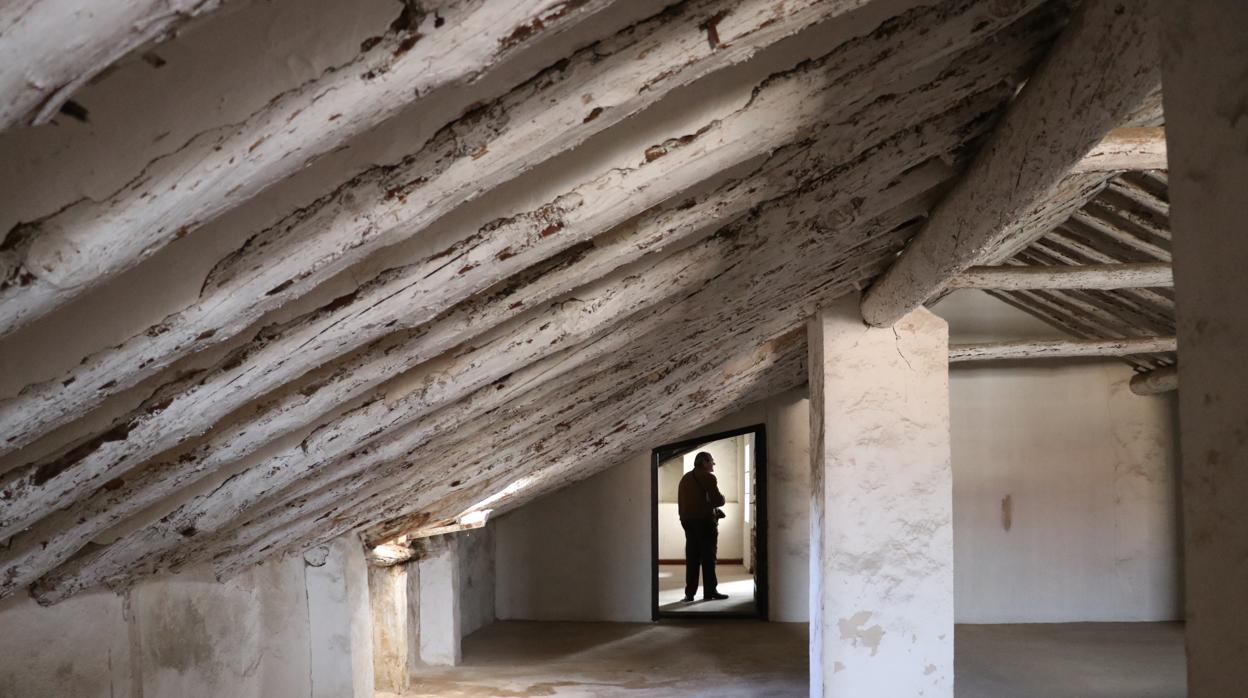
[657,456]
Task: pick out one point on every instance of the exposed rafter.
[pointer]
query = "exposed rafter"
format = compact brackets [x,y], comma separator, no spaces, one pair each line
[50,48]
[52,260]
[279,355]
[1102,68]
[629,299]
[487,147]
[1099,276]
[992,351]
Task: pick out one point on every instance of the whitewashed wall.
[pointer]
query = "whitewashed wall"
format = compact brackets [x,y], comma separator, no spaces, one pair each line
[189,636]
[476,579]
[1065,491]
[583,553]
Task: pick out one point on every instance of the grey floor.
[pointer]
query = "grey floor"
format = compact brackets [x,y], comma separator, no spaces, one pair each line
[751,658]
[734,581]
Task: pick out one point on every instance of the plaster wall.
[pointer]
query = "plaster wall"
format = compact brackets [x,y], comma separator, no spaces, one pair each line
[1065,493]
[476,579]
[597,532]
[188,635]
[440,628]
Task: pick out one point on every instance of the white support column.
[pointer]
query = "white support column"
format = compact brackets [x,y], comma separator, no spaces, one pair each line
[1204,59]
[439,601]
[881,561]
[392,631]
[338,620]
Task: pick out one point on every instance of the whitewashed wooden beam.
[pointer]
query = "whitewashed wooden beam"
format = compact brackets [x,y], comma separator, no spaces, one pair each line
[71,251]
[1162,380]
[103,565]
[799,211]
[282,354]
[50,48]
[595,309]
[389,554]
[894,159]
[1141,148]
[659,411]
[1100,70]
[387,204]
[1100,276]
[1054,349]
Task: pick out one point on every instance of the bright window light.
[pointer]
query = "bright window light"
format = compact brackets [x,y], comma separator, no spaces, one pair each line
[478,513]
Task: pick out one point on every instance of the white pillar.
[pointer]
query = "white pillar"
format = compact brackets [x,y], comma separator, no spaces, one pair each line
[881,565]
[392,632]
[1205,78]
[339,623]
[439,601]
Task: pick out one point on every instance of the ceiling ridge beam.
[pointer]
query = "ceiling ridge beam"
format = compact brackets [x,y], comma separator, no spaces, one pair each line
[1104,65]
[406,296]
[1062,348]
[73,250]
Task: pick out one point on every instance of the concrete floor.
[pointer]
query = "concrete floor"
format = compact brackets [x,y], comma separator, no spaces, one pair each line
[750,658]
[1071,660]
[733,581]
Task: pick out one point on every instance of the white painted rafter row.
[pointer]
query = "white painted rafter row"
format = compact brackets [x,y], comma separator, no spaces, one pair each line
[387,204]
[62,256]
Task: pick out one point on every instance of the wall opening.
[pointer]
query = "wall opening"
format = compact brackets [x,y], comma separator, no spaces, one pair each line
[740,458]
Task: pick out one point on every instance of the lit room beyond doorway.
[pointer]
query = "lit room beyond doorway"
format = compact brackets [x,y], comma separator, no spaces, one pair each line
[708,494]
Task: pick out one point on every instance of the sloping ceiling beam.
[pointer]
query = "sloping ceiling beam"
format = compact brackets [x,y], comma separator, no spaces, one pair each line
[50,48]
[1089,276]
[388,204]
[50,261]
[1102,68]
[607,331]
[282,354]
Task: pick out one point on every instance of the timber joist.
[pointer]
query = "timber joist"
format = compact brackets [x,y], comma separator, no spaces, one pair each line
[633,298]
[485,148]
[982,70]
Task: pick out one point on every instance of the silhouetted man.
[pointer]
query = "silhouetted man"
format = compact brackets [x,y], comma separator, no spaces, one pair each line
[698,497]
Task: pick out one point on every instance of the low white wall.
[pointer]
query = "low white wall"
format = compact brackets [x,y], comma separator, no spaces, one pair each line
[583,553]
[188,635]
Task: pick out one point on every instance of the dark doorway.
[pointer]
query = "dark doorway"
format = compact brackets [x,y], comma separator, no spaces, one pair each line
[741,458]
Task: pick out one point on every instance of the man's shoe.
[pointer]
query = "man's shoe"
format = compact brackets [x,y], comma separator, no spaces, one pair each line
[687,599]
[714,597]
